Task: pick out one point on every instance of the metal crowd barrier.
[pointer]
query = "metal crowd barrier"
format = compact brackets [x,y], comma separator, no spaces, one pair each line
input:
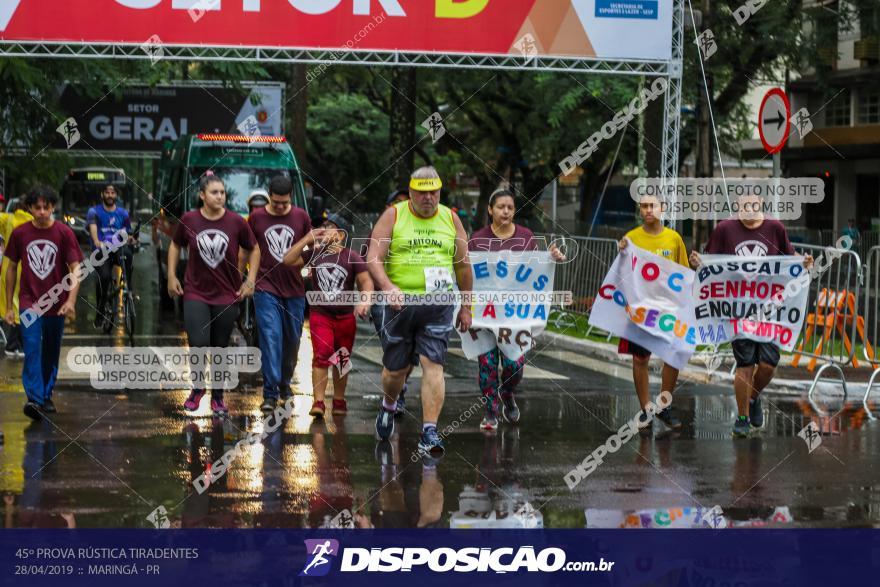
[583,274]
[832,321]
[872,319]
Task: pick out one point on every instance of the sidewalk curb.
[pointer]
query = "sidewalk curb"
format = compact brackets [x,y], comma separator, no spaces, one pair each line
[695,372]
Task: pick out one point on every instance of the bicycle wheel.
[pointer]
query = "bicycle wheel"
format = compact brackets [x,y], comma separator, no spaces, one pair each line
[111,311]
[129,315]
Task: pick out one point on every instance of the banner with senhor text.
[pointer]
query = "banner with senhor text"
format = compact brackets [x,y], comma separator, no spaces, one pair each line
[647,299]
[756,298]
[515,290]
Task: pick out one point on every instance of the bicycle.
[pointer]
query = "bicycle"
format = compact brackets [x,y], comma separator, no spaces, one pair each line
[120,298]
[247,321]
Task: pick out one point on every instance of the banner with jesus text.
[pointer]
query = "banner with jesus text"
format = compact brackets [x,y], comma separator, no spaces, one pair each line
[514,291]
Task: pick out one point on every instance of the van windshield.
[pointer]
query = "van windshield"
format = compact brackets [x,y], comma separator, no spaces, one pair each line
[240,183]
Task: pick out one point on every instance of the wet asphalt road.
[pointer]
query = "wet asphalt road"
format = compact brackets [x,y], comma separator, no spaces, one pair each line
[108,459]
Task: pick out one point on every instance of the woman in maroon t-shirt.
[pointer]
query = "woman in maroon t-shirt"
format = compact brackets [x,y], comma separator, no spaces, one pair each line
[502,234]
[212,285]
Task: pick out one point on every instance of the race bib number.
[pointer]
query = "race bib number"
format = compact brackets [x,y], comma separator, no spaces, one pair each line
[437,279]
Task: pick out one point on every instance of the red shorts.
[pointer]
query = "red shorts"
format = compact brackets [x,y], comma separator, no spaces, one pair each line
[329,334]
[628,347]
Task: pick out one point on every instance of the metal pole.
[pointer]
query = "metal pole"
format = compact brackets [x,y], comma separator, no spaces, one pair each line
[553,195]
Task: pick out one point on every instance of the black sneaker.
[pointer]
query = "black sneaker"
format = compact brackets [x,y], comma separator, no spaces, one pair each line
[384,424]
[400,410]
[268,405]
[430,442]
[647,430]
[667,417]
[285,392]
[756,413]
[32,411]
[49,407]
[509,408]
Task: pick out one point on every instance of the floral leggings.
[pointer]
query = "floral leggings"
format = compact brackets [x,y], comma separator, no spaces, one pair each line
[511,375]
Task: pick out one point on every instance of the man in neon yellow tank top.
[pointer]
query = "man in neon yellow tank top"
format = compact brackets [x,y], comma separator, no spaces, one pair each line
[415,249]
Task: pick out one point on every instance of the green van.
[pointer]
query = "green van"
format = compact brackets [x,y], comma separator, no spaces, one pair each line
[243,163]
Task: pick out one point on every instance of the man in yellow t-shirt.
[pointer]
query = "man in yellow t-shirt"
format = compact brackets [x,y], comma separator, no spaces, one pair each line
[655,238]
[9,222]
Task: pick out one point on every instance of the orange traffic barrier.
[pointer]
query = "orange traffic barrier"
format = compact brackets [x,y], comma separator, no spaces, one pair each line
[829,314]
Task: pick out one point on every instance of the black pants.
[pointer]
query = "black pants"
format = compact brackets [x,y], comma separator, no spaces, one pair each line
[209,325]
[104,273]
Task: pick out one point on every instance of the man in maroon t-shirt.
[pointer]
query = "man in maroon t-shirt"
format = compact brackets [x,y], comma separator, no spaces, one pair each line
[279,299]
[750,235]
[50,276]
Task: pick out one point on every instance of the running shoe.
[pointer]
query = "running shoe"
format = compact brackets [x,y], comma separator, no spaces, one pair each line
[285,392]
[430,442]
[218,408]
[318,409]
[384,424]
[741,427]
[667,417]
[509,408]
[195,398]
[32,411]
[400,410]
[756,413]
[489,422]
[268,405]
[49,407]
[340,407]
[647,430]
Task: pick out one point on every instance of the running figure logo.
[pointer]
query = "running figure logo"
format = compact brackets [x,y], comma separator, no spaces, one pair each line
[280,238]
[70,131]
[41,257]
[212,246]
[317,561]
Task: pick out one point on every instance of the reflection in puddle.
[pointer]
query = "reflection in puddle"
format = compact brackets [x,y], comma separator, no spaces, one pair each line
[686,517]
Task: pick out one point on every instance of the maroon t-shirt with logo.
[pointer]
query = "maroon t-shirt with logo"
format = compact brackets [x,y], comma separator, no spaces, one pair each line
[212,269]
[44,254]
[276,234]
[333,273]
[731,237]
[485,240]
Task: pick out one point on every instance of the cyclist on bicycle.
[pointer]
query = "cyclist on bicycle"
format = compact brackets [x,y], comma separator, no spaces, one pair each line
[104,220]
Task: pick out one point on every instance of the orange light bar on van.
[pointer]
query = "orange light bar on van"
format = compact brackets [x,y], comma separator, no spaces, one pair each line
[241,138]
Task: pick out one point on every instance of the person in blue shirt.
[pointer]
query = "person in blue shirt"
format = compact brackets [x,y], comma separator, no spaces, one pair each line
[104,220]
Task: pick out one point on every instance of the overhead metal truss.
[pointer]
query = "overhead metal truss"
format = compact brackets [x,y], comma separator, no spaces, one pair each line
[330,56]
[672,69]
[672,103]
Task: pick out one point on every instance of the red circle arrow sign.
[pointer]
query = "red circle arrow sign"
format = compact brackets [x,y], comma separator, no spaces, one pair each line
[773,120]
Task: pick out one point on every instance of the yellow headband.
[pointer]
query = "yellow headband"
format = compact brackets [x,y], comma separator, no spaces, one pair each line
[431,184]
